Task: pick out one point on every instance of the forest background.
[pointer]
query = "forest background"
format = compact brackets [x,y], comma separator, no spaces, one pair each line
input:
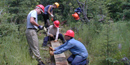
[104,28]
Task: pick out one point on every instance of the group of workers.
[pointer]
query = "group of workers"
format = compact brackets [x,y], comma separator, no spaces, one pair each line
[78,50]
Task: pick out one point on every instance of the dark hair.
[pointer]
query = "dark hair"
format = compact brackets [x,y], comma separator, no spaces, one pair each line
[71,37]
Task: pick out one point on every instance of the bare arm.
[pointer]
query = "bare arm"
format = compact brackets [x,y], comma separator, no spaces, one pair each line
[49,10]
[57,34]
[32,20]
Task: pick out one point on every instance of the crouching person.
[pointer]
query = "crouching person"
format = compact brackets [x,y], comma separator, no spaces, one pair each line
[78,50]
[53,33]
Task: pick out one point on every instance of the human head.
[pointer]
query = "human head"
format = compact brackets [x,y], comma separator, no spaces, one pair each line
[40,8]
[69,34]
[56,5]
[56,23]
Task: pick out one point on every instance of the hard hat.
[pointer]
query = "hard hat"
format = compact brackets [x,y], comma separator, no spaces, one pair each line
[69,33]
[57,4]
[56,23]
[41,6]
[76,16]
[52,19]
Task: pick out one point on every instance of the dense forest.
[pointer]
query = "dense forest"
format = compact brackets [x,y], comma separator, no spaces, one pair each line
[103,28]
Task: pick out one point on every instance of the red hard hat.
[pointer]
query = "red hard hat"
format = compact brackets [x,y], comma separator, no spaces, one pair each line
[69,33]
[41,6]
[76,16]
[56,23]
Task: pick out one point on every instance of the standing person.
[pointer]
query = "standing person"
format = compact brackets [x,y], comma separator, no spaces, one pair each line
[31,34]
[53,33]
[78,50]
[49,11]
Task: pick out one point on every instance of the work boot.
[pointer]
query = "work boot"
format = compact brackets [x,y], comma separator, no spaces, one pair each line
[43,45]
[40,62]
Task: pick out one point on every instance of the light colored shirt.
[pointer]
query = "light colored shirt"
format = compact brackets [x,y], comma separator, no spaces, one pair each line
[54,31]
[33,14]
[74,46]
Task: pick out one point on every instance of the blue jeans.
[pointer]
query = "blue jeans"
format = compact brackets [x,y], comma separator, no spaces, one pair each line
[77,60]
[48,38]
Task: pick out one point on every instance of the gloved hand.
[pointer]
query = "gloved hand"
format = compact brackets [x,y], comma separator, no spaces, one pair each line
[51,53]
[52,15]
[40,27]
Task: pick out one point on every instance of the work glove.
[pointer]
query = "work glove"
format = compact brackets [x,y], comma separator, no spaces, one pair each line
[45,29]
[51,49]
[52,15]
[40,27]
[51,53]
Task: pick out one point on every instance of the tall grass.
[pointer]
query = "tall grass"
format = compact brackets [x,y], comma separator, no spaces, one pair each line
[13,47]
[101,41]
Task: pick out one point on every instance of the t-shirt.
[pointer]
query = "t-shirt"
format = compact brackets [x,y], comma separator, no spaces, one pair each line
[32,13]
[54,31]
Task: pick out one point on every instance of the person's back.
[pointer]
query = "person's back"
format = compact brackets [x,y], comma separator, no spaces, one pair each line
[78,48]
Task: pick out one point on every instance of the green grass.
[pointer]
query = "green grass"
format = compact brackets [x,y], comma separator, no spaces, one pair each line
[14,46]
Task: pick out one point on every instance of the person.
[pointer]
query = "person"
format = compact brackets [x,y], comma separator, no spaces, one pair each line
[31,34]
[78,50]
[78,10]
[49,11]
[53,33]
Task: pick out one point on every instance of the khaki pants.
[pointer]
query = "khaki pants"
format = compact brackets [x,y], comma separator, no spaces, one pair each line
[32,40]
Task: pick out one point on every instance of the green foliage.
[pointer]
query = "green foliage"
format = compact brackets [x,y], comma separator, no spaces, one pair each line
[16,10]
[13,46]
[8,29]
[118,9]
[100,39]
[102,42]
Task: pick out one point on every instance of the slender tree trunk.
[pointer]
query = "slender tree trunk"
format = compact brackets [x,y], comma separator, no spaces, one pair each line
[84,10]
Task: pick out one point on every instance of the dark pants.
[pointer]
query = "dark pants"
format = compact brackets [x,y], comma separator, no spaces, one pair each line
[46,17]
[48,38]
[77,60]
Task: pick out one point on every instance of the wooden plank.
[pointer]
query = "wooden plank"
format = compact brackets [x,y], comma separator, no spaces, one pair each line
[60,59]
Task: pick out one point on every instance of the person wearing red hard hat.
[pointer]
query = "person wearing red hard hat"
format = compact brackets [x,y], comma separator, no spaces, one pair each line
[41,7]
[69,33]
[31,34]
[53,33]
[49,11]
[78,50]
[76,16]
